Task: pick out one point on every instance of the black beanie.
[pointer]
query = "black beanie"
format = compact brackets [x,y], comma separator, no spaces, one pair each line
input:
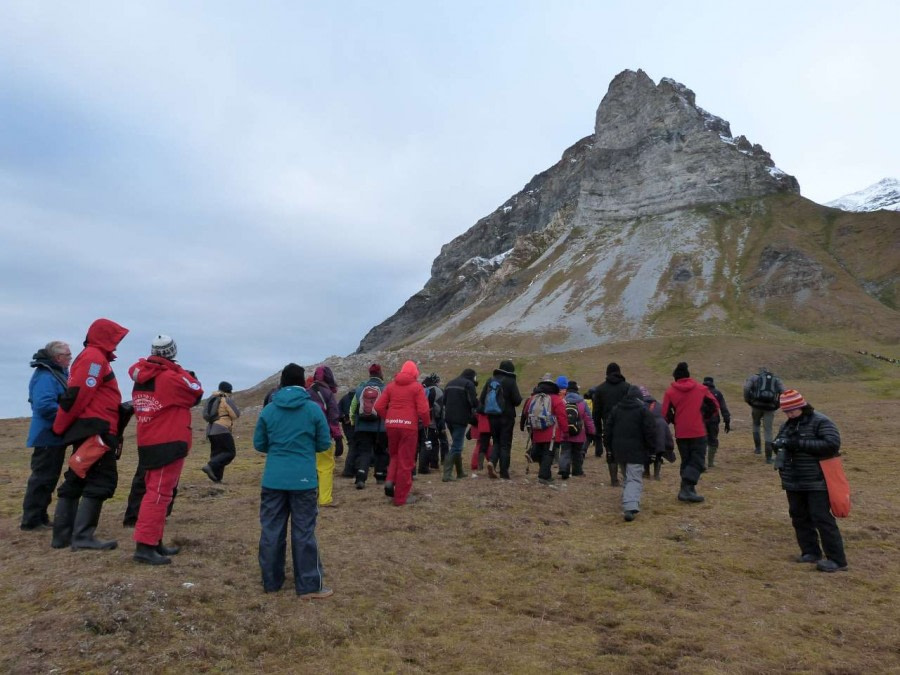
[225,387]
[613,368]
[681,371]
[709,382]
[293,376]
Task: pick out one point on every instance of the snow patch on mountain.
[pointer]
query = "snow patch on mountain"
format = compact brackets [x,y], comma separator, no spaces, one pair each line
[885,194]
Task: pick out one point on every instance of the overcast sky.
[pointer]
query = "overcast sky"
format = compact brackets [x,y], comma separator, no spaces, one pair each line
[265,181]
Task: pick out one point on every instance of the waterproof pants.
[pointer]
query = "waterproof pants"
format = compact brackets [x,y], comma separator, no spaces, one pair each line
[46,465]
[542,453]
[325,470]
[371,448]
[151,520]
[571,459]
[632,486]
[502,435]
[693,458]
[812,520]
[221,453]
[275,507]
[402,445]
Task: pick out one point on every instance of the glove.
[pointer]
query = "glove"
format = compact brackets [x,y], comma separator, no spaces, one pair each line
[669,456]
[469,434]
[338,446]
[727,426]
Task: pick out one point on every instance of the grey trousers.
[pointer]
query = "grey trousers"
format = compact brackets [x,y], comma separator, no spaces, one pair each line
[763,418]
[633,486]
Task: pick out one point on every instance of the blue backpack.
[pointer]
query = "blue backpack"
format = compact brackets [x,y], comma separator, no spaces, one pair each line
[493,401]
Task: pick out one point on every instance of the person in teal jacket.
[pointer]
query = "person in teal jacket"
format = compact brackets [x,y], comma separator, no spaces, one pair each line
[290,431]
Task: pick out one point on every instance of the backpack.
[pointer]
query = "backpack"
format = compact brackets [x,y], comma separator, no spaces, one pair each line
[763,394]
[540,415]
[493,401]
[573,416]
[211,409]
[367,398]
[436,399]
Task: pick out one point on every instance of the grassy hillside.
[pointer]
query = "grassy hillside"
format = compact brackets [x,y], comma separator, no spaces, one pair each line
[494,576]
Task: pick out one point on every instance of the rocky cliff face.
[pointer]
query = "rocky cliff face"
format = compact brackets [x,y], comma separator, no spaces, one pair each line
[651,222]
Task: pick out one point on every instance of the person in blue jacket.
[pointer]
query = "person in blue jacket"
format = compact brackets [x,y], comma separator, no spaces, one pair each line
[290,431]
[48,382]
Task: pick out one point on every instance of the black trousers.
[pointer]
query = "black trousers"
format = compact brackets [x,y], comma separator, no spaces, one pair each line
[221,453]
[99,483]
[46,465]
[542,453]
[502,435]
[371,450]
[812,520]
[693,458]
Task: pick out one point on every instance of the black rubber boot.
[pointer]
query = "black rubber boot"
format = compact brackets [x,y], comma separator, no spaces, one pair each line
[147,554]
[86,520]
[688,494]
[448,470]
[770,451]
[457,463]
[657,467]
[63,521]
[162,549]
[388,488]
[757,443]
[613,474]
[711,455]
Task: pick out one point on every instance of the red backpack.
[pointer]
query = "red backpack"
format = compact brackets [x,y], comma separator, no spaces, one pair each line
[367,398]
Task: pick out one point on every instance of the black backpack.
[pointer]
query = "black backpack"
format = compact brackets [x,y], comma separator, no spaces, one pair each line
[763,394]
[573,417]
[211,409]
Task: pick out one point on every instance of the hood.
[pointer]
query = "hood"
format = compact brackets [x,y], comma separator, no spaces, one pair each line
[324,375]
[547,387]
[469,374]
[290,397]
[634,392]
[146,369]
[406,378]
[615,377]
[409,368]
[573,397]
[506,368]
[105,334]
[42,358]
[630,402]
[686,384]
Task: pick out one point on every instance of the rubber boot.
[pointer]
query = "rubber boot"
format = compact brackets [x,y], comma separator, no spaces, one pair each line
[147,554]
[613,474]
[697,498]
[388,488]
[688,494]
[770,451]
[756,443]
[657,467]
[711,455]
[86,520]
[448,469]
[162,549]
[458,464]
[63,521]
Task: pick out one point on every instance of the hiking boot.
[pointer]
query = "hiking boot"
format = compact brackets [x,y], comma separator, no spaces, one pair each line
[86,519]
[808,558]
[360,484]
[830,566]
[207,469]
[687,494]
[40,527]
[317,595]
[147,554]
[389,488]
[505,475]
[629,515]
[162,549]
[492,470]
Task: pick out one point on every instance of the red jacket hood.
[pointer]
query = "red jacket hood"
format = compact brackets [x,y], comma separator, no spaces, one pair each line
[410,368]
[146,369]
[686,384]
[105,334]
[403,379]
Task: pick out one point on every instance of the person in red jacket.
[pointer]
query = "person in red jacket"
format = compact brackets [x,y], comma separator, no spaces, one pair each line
[89,418]
[686,404]
[404,408]
[544,413]
[163,395]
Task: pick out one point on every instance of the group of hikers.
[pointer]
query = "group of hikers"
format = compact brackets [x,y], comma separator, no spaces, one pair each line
[388,426]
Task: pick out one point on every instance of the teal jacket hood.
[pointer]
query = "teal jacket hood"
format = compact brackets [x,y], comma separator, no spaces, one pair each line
[290,397]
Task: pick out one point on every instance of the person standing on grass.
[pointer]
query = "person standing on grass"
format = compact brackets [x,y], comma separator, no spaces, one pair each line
[579,425]
[404,408]
[48,383]
[162,396]
[321,392]
[460,404]
[499,399]
[630,433]
[222,450]
[291,431]
[761,392]
[806,438]
[544,414]
[344,405]
[605,398]
[685,404]
[712,422]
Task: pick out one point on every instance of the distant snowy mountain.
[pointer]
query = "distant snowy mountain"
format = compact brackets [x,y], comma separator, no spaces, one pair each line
[885,194]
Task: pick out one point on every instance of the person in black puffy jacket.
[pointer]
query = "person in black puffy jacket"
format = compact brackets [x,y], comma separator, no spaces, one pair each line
[803,440]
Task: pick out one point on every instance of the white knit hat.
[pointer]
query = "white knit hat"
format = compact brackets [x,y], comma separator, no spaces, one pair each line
[164,346]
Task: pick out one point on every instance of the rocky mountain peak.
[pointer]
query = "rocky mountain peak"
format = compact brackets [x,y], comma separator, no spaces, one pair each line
[885,194]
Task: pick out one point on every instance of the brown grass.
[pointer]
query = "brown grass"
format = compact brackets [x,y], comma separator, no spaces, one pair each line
[488,576]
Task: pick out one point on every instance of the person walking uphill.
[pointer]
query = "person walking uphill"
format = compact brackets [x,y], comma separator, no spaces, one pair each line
[579,424]
[712,422]
[321,392]
[290,431]
[162,396]
[222,450]
[403,407]
[604,399]
[761,392]
[806,438]
[631,435]
[92,418]
[48,382]
[499,399]
[460,404]
[545,416]
[368,429]
[685,404]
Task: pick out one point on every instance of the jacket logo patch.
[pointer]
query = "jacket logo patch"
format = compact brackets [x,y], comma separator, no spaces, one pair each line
[91,382]
[94,370]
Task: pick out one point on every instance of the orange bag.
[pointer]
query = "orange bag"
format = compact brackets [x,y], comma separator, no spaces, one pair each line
[838,486]
[87,455]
